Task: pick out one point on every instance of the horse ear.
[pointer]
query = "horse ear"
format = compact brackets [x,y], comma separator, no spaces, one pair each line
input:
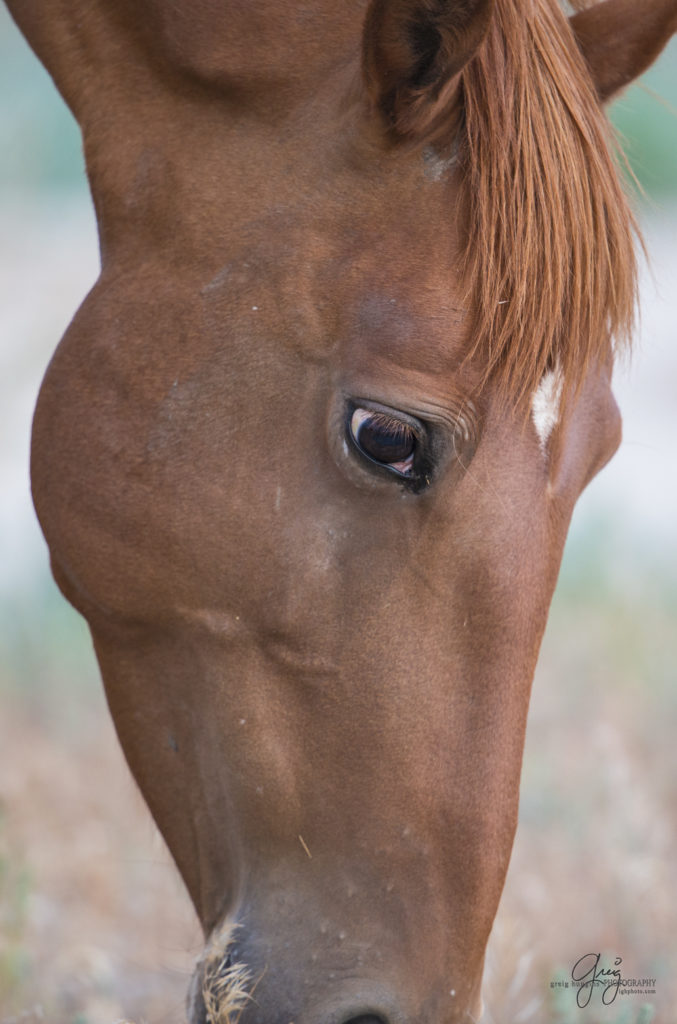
[621,38]
[412,53]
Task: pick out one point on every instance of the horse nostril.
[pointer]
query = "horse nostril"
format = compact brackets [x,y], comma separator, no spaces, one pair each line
[368,1018]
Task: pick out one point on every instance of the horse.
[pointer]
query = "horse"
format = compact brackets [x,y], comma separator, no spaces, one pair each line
[306,456]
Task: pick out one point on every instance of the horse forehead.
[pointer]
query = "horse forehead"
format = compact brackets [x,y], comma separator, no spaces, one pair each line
[248,44]
[370,331]
[415,334]
[335,271]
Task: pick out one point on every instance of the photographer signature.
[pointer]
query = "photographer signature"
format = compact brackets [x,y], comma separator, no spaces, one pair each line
[588,973]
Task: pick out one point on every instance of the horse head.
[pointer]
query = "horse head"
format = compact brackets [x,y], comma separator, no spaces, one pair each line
[306,456]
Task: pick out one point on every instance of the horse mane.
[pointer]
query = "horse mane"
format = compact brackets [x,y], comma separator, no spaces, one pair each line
[550,260]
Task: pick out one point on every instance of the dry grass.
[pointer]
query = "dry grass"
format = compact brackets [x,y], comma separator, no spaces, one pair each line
[593,868]
[94,924]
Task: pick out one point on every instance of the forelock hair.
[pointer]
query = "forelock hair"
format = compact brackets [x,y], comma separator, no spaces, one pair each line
[549,261]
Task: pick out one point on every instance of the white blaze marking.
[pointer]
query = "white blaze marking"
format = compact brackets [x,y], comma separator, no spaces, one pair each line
[545,405]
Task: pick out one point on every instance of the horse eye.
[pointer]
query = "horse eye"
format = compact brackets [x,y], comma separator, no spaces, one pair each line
[384,439]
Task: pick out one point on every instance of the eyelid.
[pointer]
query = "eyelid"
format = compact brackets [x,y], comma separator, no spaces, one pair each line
[397,415]
[380,419]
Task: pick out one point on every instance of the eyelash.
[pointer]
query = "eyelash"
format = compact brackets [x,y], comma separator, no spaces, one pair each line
[390,443]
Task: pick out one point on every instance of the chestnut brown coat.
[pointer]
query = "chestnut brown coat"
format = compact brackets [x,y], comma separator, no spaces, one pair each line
[306,456]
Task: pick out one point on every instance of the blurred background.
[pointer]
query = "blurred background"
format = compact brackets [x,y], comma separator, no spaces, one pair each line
[94,923]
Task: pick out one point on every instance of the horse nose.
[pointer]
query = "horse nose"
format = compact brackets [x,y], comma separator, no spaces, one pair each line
[369,1017]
